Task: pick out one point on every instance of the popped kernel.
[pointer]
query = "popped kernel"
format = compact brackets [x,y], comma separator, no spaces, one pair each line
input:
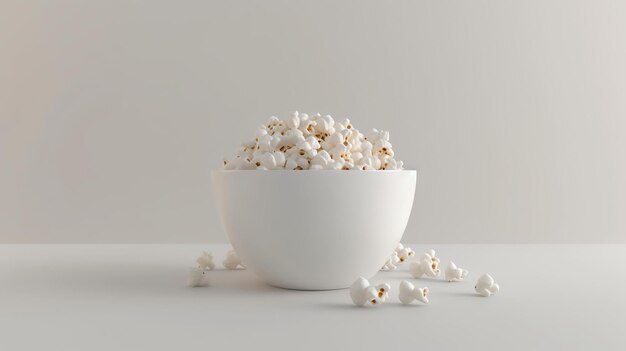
[426,265]
[409,293]
[486,286]
[205,261]
[454,273]
[361,292]
[232,260]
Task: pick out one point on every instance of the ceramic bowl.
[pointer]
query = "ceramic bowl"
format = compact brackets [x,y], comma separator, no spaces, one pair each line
[314,230]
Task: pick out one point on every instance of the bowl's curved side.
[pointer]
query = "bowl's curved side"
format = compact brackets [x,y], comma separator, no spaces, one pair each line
[314,230]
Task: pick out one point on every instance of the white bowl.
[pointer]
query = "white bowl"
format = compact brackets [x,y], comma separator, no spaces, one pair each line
[314,230]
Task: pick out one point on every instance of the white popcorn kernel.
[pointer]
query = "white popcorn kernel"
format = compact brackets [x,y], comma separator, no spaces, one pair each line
[392,263]
[382,147]
[313,142]
[332,141]
[205,261]
[486,286]
[339,152]
[232,260]
[404,253]
[265,143]
[408,293]
[367,145]
[268,161]
[242,163]
[307,126]
[338,126]
[303,163]
[291,163]
[261,132]
[454,274]
[280,159]
[294,121]
[197,277]
[382,291]
[426,265]
[356,156]
[325,124]
[361,292]
[429,255]
[305,149]
[320,159]
[316,168]
[335,164]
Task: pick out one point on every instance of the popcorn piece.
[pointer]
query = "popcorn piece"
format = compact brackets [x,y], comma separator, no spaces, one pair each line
[427,265]
[392,263]
[404,252]
[197,277]
[361,292]
[205,261]
[294,143]
[408,293]
[486,286]
[454,274]
[383,291]
[429,255]
[232,260]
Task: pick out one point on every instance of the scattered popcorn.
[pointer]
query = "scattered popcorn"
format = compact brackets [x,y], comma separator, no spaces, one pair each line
[392,262]
[486,286]
[205,261]
[453,273]
[197,277]
[426,265]
[362,292]
[232,260]
[404,252]
[401,254]
[409,293]
[383,291]
[429,255]
[314,142]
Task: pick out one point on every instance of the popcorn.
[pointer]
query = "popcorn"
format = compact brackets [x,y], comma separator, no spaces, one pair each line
[426,265]
[197,277]
[205,261]
[429,255]
[314,142]
[392,263]
[486,286]
[408,293]
[401,254]
[232,260]
[404,252]
[361,292]
[453,273]
[383,291]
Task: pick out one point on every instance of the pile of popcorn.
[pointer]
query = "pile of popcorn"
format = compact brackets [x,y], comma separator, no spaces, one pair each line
[314,142]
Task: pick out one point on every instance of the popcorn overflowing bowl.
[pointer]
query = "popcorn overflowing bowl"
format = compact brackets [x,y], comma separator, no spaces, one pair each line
[314,230]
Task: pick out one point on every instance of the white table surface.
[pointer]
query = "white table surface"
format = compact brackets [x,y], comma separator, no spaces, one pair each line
[134,297]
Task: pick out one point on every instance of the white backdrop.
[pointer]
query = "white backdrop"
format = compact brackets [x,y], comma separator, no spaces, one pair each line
[113,113]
